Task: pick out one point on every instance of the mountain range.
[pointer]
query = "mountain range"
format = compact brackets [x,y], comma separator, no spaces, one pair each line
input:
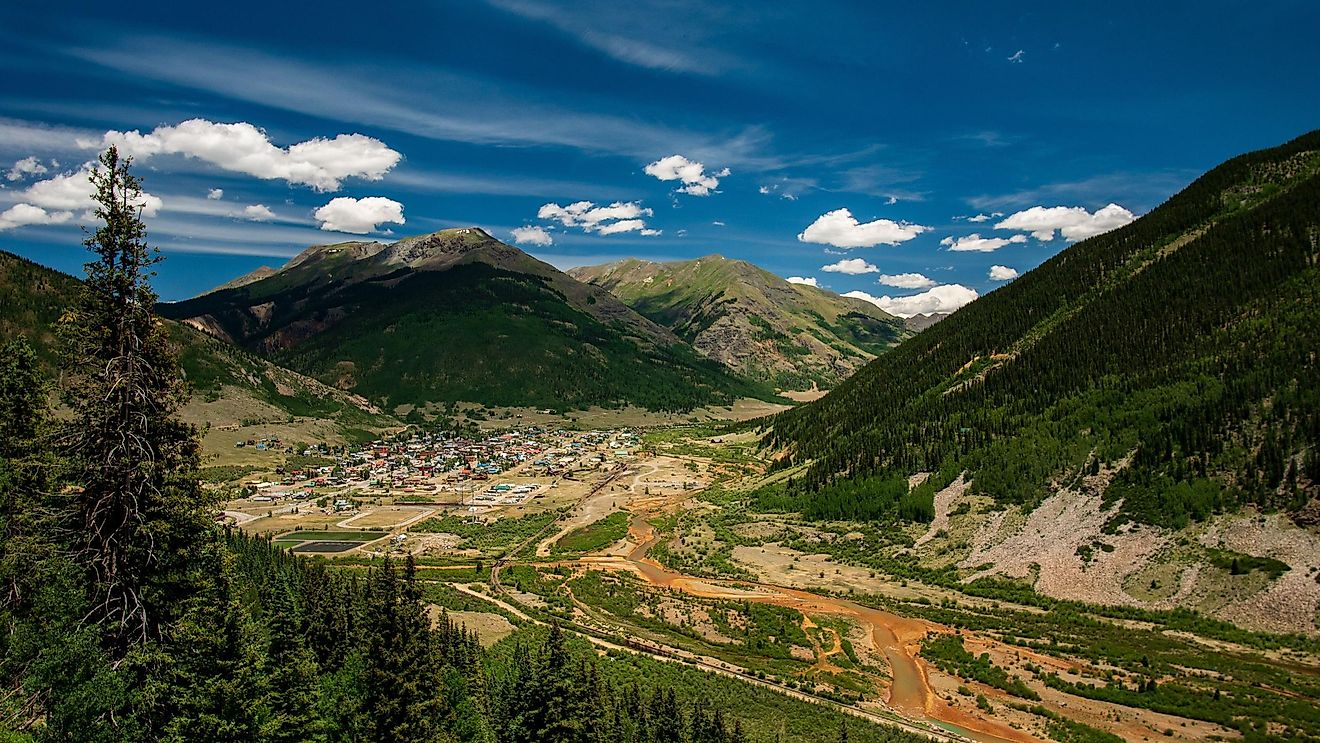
[759,325]
[458,315]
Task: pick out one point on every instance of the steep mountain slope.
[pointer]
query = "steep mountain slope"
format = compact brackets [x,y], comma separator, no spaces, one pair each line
[1132,387]
[255,275]
[1186,338]
[32,298]
[457,315]
[752,321]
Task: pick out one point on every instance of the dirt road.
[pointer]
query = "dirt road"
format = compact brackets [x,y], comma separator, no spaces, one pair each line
[897,637]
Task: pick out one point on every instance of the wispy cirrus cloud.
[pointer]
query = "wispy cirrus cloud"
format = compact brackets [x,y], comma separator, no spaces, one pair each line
[20,138]
[417,100]
[643,34]
[1145,189]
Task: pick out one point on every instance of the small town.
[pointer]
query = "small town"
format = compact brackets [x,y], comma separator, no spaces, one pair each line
[375,491]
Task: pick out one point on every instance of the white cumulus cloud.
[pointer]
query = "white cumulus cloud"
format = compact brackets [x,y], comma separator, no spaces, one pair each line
[946,298]
[73,191]
[977,244]
[258,213]
[905,280]
[851,266]
[807,280]
[215,194]
[696,181]
[1003,273]
[1074,222]
[531,235]
[243,148]
[842,230]
[25,167]
[623,225]
[359,216]
[20,215]
[621,216]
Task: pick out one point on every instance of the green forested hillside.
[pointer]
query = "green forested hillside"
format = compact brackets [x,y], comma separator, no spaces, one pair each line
[1186,340]
[33,297]
[459,316]
[754,322]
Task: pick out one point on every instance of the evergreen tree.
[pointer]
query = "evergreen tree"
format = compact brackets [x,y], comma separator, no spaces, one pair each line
[666,718]
[205,679]
[293,692]
[400,680]
[140,514]
[24,467]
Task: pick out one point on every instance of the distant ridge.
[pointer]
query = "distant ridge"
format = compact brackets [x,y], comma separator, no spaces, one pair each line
[755,323]
[918,323]
[256,275]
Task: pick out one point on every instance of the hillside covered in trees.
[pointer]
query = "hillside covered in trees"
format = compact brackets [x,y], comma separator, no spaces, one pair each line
[33,298]
[1179,350]
[458,316]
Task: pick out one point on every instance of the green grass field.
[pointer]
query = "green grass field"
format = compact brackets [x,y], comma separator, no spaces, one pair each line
[594,536]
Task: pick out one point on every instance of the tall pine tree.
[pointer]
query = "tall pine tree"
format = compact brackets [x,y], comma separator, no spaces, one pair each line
[140,514]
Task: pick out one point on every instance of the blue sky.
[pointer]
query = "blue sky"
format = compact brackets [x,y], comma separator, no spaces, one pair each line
[691,128]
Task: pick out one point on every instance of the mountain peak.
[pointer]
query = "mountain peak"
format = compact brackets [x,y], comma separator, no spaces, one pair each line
[443,247]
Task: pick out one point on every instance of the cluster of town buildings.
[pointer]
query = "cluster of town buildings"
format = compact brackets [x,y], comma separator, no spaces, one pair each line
[428,462]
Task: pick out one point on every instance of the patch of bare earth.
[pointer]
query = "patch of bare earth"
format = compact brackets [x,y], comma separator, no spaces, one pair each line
[490,627]
[1289,604]
[944,501]
[682,614]
[1049,545]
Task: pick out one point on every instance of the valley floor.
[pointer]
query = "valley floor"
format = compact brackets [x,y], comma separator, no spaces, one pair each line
[648,547]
